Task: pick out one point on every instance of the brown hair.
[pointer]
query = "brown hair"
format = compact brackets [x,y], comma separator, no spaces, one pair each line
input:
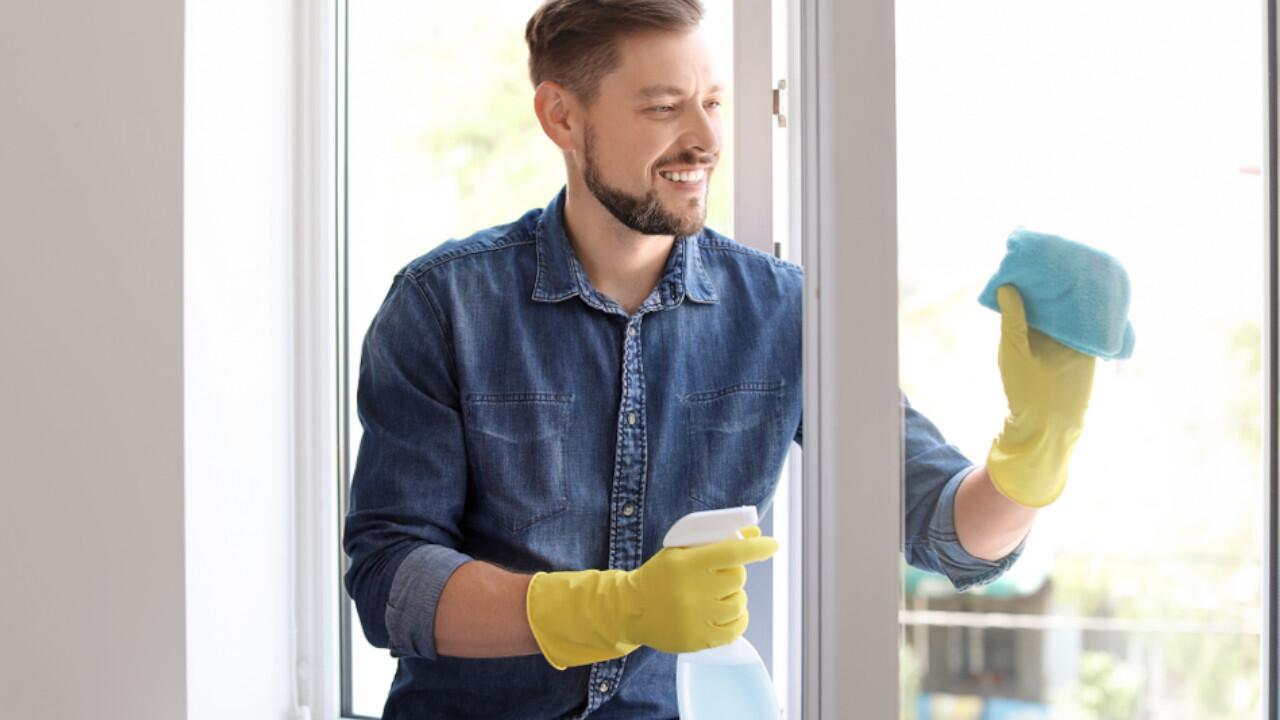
[574,42]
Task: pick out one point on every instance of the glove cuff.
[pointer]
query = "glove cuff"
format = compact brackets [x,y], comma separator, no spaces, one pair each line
[571,615]
[1028,464]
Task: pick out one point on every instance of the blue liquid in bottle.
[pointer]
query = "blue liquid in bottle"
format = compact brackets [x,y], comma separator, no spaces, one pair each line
[710,691]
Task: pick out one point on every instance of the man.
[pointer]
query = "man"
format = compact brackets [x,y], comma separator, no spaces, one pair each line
[541,401]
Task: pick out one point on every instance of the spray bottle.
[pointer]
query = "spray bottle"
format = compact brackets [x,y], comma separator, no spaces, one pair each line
[729,681]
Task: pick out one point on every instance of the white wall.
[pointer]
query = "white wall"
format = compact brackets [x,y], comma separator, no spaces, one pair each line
[238,341]
[91,349]
[144,528]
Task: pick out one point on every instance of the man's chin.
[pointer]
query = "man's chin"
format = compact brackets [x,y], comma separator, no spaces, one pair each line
[693,227]
[690,216]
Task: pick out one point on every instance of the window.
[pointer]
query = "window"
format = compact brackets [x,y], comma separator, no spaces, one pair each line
[1137,128]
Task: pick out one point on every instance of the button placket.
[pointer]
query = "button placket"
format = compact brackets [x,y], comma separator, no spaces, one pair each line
[632,454]
[625,546]
[602,681]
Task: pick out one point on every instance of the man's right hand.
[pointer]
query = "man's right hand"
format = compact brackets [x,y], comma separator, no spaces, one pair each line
[680,600]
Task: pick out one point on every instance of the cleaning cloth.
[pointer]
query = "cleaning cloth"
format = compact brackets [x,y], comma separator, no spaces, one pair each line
[1075,294]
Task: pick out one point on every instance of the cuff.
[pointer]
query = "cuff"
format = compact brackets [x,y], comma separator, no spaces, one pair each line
[415,593]
[963,570]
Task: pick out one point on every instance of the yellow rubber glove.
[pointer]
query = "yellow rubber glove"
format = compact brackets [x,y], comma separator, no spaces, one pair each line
[680,600]
[1048,386]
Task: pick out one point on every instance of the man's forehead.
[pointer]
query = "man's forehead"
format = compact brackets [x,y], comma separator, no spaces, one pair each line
[663,65]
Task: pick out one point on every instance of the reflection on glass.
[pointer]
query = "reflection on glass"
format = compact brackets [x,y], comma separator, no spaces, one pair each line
[442,142]
[1136,128]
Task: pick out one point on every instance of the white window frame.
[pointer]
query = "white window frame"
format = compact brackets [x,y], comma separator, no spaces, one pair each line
[318,165]
[842,106]
[1270,653]
[853,455]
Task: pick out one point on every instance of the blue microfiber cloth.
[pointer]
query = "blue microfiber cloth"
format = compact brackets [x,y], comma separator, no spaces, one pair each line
[1071,292]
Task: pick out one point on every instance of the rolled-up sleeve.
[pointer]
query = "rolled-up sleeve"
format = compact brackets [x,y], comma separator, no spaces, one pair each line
[408,488]
[933,471]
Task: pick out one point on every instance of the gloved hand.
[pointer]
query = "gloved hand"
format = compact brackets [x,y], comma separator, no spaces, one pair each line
[680,600]
[1048,386]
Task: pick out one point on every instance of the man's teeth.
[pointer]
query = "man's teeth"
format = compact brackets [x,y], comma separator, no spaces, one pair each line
[688,176]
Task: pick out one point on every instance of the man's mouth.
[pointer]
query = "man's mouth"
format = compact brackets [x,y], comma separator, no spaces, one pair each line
[687,177]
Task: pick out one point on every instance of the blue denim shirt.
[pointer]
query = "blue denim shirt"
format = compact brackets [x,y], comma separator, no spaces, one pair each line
[514,414]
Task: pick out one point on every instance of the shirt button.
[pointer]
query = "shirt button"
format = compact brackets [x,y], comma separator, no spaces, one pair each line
[631,331]
[631,418]
[628,509]
[603,687]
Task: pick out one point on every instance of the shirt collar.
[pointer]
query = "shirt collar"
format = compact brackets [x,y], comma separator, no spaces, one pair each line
[560,274]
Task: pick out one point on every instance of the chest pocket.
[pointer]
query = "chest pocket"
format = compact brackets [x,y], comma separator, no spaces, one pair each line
[736,443]
[515,444]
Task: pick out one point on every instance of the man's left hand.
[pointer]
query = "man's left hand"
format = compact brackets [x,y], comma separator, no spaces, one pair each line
[1048,386]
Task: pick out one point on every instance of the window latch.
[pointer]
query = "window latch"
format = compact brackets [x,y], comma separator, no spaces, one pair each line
[780,102]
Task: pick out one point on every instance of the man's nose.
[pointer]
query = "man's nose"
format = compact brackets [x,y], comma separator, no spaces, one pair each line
[703,133]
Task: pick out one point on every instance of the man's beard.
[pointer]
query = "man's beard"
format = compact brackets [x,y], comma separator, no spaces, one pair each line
[645,215]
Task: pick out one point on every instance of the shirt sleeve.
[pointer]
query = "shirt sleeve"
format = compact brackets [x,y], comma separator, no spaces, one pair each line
[409,485]
[933,472]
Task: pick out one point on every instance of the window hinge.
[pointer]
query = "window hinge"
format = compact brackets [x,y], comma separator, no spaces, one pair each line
[780,102]
[777,249]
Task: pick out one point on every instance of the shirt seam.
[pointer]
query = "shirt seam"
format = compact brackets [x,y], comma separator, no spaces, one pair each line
[437,314]
[711,244]
[464,252]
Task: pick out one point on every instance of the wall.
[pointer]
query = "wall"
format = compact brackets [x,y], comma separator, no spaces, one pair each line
[91,349]
[144,360]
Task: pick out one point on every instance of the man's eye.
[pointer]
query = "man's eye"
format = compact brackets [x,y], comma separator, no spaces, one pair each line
[671,108]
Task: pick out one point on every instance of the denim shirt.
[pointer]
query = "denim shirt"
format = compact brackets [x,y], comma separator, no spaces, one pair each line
[514,414]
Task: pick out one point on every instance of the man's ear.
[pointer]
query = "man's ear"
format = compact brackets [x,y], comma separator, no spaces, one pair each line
[556,108]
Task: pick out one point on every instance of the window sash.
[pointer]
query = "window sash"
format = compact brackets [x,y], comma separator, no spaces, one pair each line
[850,533]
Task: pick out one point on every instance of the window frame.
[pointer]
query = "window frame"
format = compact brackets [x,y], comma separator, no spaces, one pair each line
[1271,378]
[848,142]
[840,559]
[318,157]
[851,530]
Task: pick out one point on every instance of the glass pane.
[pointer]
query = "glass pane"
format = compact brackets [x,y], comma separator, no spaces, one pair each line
[1136,128]
[442,142]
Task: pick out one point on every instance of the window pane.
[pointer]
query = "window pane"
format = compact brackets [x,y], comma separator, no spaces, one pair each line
[1136,128]
[442,142]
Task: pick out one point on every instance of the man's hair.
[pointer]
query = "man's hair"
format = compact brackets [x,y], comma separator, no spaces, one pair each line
[575,42]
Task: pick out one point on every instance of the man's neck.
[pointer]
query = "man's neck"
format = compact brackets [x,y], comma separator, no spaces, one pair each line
[619,262]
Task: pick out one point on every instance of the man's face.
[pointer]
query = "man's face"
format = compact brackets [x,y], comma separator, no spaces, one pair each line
[652,136]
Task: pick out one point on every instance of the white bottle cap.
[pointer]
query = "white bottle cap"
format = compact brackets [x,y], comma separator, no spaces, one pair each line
[708,526]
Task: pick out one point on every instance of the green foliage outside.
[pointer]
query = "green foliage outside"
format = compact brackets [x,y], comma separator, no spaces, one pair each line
[488,141]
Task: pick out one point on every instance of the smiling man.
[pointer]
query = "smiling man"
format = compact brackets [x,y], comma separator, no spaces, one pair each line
[542,400]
